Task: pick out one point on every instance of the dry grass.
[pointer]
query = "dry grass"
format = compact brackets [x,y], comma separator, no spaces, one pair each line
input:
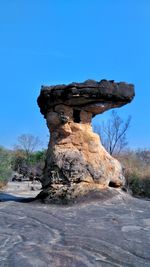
[2,184]
[137,172]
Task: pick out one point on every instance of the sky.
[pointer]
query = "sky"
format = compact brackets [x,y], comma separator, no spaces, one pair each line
[45,42]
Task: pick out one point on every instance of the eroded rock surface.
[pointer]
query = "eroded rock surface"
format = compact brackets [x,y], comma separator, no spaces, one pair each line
[76,161]
[114,232]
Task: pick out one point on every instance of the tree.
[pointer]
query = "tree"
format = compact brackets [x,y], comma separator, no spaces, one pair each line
[113,133]
[144,155]
[28,143]
[5,166]
[18,162]
[26,159]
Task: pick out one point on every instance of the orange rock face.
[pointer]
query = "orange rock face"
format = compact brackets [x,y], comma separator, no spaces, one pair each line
[76,161]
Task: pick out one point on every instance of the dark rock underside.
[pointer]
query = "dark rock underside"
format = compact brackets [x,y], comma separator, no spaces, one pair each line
[94,234]
[86,94]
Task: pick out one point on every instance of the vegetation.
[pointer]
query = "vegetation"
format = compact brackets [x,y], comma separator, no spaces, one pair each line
[27,143]
[5,166]
[113,133]
[137,171]
[136,164]
[26,160]
[31,166]
[23,160]
[30,163]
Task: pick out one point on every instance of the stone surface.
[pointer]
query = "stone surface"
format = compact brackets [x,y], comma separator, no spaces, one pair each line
[114,232]
[91,96]
[76,161]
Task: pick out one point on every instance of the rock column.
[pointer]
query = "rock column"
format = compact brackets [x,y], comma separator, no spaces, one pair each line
[76,162]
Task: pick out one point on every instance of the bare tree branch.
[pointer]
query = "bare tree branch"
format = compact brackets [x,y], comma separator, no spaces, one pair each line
[28,143]
[113,133]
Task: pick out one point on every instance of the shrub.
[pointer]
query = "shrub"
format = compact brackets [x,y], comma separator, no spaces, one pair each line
[137,171]
[30,166]
[5,166]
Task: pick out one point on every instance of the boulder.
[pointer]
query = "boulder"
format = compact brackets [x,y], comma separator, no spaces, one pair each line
[76,162]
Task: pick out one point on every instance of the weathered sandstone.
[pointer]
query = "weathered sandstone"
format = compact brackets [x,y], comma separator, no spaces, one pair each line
[76,161]
[111,231]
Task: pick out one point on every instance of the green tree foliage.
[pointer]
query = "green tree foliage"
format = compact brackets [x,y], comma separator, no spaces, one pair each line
[5,166]
[28,144]
[30,166]
[18,160]
[38,156]
[26,159]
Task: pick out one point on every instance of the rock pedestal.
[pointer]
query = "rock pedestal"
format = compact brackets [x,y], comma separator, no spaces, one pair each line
[76,162]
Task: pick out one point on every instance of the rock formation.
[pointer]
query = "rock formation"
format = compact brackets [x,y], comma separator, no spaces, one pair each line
[76,162]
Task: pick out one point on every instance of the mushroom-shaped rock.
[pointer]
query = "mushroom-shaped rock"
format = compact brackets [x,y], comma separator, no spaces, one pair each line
[76,162]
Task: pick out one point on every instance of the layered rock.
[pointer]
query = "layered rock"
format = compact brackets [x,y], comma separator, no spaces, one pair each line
[76,161]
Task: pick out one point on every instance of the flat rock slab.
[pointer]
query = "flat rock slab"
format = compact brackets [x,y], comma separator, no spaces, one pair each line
[115,232]
[83,94]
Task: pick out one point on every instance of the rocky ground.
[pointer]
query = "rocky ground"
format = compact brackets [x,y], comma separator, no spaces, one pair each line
[110,232]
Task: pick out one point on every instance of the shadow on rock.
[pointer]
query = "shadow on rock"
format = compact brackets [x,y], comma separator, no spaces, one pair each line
[49,197]
[4,197]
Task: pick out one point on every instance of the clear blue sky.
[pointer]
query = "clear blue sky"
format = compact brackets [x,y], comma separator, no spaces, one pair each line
[44,42]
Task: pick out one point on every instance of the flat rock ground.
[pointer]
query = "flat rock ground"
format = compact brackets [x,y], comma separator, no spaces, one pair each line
[112,232]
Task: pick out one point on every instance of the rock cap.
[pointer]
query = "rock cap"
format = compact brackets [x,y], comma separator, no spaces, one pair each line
[92,96]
